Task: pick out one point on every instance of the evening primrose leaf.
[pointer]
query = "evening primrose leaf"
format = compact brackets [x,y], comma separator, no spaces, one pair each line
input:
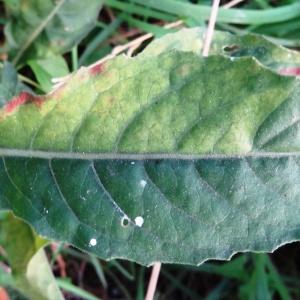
[168,157]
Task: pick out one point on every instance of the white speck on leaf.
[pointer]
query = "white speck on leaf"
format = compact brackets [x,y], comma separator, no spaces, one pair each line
[139,221]
[133,163]
[143,183]
[93,242]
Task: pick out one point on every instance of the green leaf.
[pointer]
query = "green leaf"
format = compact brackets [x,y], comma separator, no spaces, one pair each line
[6,279]
[30,269]
[9,83]
[170,157]
[258,285]
[68,286]
[48,68]
[48,26]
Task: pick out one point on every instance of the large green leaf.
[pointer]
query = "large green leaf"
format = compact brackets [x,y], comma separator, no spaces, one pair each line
[61,24]
[171,157]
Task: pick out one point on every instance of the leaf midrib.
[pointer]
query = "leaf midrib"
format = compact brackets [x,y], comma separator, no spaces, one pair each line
[41,154]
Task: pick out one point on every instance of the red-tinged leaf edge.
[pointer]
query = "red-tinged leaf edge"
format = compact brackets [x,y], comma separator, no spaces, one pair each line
[22,98]
[290,71]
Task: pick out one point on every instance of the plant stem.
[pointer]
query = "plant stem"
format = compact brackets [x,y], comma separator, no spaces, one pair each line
[135,9]
[232,3]
[233,16]
[104,34]
[211,27]
[75,58]
[153,281]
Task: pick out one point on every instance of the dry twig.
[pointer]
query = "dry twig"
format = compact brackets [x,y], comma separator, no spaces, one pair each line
[153,281]
[232,3]
[211,27]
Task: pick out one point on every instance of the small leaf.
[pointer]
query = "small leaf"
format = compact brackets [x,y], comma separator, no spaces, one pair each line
[30,269]
[9,83]
[48,68]
[6,279]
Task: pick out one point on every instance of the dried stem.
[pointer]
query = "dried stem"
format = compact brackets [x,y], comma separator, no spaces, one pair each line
[211,27]
[60,261]
[130,47]
[135,43]
[153,281]
[232,3]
